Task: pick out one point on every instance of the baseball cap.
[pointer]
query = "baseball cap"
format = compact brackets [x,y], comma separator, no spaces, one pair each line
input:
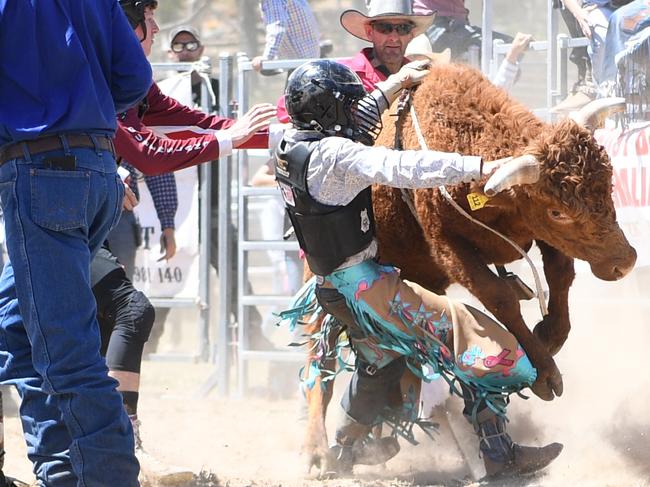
[184,28]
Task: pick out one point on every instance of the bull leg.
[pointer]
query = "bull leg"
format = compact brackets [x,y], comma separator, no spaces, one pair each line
[318,396]
[500,299]
[554,328]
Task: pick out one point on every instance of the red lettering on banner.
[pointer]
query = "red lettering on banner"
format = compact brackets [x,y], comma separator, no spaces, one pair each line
[644,191]
[642,144]
[628,192]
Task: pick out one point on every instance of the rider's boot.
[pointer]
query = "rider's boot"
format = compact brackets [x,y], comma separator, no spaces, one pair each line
[354,447]
[502,457]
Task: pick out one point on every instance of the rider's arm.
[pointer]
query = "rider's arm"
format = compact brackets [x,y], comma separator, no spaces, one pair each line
[339,169]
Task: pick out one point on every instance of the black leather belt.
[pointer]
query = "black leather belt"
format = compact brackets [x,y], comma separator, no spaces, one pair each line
[54,142]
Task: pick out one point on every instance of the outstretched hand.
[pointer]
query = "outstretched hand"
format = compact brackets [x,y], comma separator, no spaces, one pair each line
[254,120]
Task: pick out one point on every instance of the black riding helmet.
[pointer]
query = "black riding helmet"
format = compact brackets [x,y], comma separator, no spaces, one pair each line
[329,97]
[134,10]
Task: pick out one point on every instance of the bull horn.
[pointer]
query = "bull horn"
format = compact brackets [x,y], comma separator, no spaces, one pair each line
[520,170]
[590,115]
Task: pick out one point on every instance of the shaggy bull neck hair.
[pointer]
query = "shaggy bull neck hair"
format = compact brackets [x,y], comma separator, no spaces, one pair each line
[459,110]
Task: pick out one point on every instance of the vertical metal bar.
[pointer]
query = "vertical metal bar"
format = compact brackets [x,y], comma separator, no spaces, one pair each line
[242,230]
[563,66]
[204,244]
[225,289]
[551,61]
[486,37]
[497,58]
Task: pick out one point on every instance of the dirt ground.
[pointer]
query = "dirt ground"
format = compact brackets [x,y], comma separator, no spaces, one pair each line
[601,419]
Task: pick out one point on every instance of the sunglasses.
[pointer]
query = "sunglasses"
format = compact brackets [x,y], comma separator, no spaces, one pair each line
[387,28]
[188,46]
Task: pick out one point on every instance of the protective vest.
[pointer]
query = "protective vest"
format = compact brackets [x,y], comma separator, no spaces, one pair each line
[327,234]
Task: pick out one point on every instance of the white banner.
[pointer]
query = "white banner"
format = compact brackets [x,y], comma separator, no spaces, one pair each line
[178,277]
[630,155]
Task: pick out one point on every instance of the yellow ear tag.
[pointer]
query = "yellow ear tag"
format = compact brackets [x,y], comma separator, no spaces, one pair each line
[477,200]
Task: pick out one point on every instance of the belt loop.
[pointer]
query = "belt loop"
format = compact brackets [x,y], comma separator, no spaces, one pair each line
[64,143]
[98,149]
[28,156]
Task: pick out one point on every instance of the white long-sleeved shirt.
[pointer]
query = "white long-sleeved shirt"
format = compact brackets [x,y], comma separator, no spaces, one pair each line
[505,75]
[339,169]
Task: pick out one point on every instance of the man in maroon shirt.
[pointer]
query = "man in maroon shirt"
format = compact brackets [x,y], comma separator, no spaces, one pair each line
[153,154]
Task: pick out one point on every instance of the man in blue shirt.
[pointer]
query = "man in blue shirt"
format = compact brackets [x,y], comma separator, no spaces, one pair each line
[61,195]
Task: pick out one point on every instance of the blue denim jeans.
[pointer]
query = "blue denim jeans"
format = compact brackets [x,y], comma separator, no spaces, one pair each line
[76,429]
[623,24]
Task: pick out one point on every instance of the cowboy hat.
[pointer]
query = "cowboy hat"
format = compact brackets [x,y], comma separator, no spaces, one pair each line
[420,47]
[354,21]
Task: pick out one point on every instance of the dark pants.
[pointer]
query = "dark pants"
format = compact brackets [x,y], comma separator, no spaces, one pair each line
[125,315]
[579,55]
[457,35]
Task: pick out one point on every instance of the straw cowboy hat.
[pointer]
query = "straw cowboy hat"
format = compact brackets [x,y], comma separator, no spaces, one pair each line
[354,21]
[420,47]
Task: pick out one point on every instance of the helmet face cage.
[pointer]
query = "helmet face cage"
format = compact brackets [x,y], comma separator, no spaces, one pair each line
[329,97]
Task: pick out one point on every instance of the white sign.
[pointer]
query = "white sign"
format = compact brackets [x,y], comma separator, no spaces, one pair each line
[630,155]
[178,277]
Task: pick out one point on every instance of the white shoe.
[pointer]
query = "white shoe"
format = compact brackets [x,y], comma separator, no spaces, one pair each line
[153,470]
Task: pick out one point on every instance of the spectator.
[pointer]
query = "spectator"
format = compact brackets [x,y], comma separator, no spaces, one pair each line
[592,17]
[451,27]
[624,26]
[506,75]
[584,87]
[126,237]
[185,47]
[291,31]
[58,111]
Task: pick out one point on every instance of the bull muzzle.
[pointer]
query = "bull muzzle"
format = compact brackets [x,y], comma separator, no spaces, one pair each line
[618,266]
[520,170]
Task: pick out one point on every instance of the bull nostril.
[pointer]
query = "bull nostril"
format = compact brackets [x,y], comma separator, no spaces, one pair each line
[617,272]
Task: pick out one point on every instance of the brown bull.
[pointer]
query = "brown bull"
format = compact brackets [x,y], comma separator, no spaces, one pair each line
[566,208]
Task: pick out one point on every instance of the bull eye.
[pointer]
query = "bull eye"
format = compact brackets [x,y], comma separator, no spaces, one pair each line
[558,216]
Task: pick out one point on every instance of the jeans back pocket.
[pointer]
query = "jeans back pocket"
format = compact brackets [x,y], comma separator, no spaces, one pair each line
[59,198]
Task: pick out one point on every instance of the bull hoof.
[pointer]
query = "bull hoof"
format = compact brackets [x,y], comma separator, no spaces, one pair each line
[549,380]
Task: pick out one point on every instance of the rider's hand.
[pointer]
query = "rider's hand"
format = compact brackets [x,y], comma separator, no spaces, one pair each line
[488,167]
[254,120]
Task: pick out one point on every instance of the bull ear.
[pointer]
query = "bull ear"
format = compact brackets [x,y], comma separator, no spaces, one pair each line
[520,170]
[591,115]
